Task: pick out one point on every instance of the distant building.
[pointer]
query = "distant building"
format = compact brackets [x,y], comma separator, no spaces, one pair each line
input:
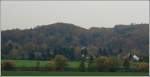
[129,56]
[136,58]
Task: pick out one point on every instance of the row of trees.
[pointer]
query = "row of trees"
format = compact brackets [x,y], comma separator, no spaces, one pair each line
[35,52]
[103,63]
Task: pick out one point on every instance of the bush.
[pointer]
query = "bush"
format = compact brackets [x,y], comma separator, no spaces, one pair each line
[144,67]
[115,65]
[51,66]
[60,62]
[103,63]
[126,64]
[8,65]
[82,66]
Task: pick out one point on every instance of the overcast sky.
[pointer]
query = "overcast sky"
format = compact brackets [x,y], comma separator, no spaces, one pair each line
[27,14]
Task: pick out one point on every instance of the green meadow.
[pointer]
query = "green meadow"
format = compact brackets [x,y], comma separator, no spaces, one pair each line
[32,63]
[47,73]
[72,64]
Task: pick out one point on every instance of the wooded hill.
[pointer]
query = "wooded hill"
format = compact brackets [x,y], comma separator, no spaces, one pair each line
[45,41]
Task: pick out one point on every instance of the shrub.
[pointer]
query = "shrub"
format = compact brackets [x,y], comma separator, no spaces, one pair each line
[51,66]
[115,65]
[126,64]
[144,67]
[103,63]
[60,62]
[8,65]
[82,66]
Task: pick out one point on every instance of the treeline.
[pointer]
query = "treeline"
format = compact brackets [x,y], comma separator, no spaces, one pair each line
[44,42]
[40,53]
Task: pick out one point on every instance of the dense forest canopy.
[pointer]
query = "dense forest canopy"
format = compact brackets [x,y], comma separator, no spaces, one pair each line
[44,42]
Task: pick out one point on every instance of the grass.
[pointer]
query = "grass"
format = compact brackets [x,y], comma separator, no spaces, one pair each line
[73,64]
[32,63]
[27,63]
[47,73]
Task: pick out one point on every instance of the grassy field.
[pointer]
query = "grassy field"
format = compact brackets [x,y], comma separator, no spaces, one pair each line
[32,63]
[46,73]
[73,64]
